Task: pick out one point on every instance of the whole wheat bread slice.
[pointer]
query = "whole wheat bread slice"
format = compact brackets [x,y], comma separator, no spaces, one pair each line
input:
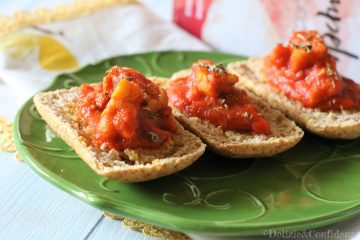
[341,125]
[285,133]
[133,165]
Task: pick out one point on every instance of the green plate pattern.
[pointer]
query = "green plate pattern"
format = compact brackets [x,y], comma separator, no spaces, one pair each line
[314,184]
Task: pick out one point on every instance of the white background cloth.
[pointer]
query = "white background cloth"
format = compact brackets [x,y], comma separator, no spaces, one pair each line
[112,32]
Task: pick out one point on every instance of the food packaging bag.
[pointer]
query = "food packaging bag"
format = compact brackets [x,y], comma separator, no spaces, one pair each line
[254,27]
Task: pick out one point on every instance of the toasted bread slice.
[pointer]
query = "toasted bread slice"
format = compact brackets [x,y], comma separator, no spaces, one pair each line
[341,125]
[285,133]
[133,165]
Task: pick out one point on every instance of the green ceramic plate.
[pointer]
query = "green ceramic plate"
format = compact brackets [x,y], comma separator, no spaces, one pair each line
[314,184]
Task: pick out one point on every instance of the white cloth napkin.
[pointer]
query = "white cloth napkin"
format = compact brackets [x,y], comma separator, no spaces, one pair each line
[30,59]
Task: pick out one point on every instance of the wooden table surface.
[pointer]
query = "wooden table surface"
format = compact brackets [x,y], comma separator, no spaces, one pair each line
[31,208]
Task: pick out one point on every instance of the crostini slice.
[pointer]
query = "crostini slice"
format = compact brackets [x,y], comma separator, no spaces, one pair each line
[58,109]
[330,124]
[285,134]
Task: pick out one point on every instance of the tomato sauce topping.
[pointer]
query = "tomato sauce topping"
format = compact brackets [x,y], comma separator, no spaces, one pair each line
[305,71]
[209,94]
[125,110]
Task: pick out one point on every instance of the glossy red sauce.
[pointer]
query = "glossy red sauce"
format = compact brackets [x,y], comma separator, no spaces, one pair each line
[125,110]
[304,70]
[209,94]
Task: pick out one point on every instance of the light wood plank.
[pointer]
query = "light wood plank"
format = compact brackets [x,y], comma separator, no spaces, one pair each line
[31,208]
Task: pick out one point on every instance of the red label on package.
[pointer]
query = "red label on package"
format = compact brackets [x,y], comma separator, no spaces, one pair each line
[191,14]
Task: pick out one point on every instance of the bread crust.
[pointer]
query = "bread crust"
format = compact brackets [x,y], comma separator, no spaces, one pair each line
[241,145]
[337,125]
[57,108]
